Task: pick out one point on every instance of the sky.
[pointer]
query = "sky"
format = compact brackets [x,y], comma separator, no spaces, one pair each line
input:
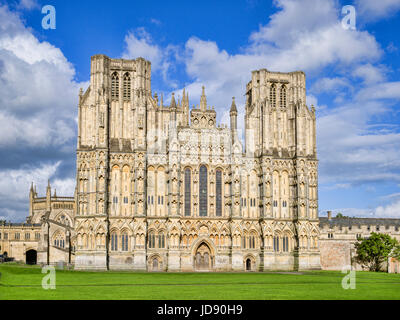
[352,80]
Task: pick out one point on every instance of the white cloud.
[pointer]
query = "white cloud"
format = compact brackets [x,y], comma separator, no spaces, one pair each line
[139,43]
[369,73]
[15,185]
[304,35]
[386,90]
[391,210]
[373,10]
[38,107]
[331,85]
[295,20]
[352,152]
[27,4]
[308,35]
[38,94]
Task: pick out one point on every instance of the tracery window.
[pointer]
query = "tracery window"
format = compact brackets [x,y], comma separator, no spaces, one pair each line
[114,86]
[156,240]
[252,242]
[59,241]
[283,96]
[203,192]
[114,242]
[124,240]
[152,240]
[285,244]
[218,193]
[161,241]
[272,95]
[276,243]
[187,192]
[127,86]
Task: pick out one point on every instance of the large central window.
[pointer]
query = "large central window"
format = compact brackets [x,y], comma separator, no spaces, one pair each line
[187,191]
[218,193]
[203,192]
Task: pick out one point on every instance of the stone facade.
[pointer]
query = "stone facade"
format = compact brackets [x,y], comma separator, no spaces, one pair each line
[164,188]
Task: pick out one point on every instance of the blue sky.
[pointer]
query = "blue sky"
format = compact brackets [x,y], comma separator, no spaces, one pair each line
[352,79]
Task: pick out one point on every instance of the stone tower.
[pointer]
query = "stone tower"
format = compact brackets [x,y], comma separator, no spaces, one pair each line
[281,135]
[111,157]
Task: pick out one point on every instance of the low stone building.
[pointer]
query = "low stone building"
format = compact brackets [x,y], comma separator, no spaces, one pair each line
[339,234]
[47,235]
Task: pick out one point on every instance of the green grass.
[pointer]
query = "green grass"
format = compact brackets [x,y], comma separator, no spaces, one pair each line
[24,282]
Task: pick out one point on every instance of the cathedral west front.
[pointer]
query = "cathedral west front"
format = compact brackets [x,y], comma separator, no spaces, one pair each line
[166,188]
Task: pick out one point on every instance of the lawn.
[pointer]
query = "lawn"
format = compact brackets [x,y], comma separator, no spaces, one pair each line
[24,282]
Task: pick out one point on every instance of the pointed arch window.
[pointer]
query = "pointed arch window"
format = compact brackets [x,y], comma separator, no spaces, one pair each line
[218,193]
[152,240]
[203,192]
[187,191]
[276,243]
[127,86]
[285,244]
[114,242]
[161,241]
[272,95]
[124,239]
[283,97]
[115,86]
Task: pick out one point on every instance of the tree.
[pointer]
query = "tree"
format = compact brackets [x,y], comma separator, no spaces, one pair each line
[372,252]
[396,252]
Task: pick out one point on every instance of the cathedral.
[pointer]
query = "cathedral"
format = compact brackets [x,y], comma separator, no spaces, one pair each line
[166,188]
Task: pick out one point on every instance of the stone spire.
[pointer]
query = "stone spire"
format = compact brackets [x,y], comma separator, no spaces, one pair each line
[203,100]
[183,98]
[48,196]
[173,103]
[31,197]
[233,114]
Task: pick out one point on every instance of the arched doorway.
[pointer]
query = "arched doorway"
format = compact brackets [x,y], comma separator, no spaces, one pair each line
[203,259]
[31,256]
[248,264]
[155,264]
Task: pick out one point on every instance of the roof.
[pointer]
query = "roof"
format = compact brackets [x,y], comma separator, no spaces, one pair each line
[8,224]
[346,222]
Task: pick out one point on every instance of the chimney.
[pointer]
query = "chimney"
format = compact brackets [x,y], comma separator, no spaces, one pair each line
[329,215]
